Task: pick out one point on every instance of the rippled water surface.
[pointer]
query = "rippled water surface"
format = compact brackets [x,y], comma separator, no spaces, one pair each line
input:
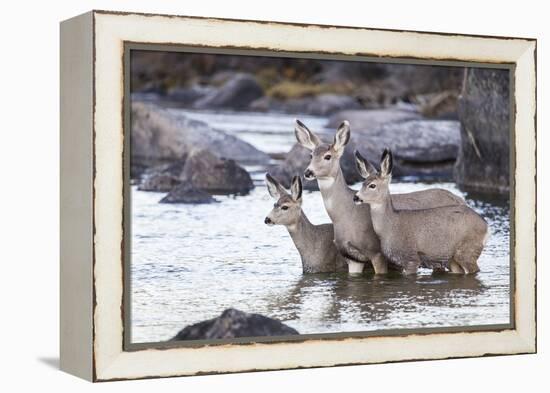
[190,262]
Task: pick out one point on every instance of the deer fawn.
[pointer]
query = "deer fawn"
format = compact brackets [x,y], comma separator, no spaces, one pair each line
[440,237]
[315,243]
[354,234]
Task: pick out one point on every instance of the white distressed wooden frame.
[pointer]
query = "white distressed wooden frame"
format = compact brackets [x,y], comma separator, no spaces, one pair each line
[92,88]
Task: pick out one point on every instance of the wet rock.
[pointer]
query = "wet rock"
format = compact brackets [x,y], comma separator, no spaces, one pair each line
[186,193]
[234,323]
[367,120]
[186,96]
[215,175]
[158,183]
[483,163]
[161,178]
[166,135]
[420,147]
[237,93]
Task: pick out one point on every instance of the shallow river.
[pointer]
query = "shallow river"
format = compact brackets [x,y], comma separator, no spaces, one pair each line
[190,262]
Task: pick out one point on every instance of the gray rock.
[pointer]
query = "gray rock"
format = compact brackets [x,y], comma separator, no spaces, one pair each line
[483,163]
[161,178]
[209,173]
[237,93]
[325,104]
[186,96]
[234,323]
[167,135]
[367,120]
[158,183]
[421,147]
[321,105]
[186,193]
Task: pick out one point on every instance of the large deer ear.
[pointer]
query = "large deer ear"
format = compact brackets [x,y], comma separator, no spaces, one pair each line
[341,138]
[386,163]
[273,187]
[296,188]
[364,167]
[305,137]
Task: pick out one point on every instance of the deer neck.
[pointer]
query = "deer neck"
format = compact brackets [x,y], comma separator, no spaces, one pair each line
[382,214]
[302,234]
[337,196]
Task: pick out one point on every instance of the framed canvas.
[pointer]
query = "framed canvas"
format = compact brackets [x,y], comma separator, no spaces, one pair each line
[245,195]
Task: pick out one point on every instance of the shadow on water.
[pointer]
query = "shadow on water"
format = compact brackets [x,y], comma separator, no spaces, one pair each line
[375,298]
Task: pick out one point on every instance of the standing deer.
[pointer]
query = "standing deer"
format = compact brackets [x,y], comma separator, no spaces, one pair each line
[314,242]
[441,237]
[354,234]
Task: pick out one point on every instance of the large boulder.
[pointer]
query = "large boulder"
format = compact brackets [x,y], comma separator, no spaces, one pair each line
[483,163]
[234,323]
[237,93]
[161,135]
[421,147]
[206,172]
[186,193]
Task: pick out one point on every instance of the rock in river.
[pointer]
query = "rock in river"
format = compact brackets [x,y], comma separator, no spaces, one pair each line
[234,323]
[483,163]
[186,193]
[237,93]
[162,135]
[421,147]
[215,175]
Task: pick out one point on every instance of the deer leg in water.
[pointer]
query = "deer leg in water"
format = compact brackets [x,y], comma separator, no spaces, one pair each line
[380,264]
[455,268]
[411,266]
[355,259]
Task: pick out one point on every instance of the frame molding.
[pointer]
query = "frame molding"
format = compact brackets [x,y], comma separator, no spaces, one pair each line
[98,348]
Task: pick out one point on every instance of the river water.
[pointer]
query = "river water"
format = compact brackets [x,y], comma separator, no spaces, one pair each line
[190,262]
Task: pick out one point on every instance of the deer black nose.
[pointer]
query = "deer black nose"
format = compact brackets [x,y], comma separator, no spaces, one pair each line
[356,199]
[308,174]
[267,220]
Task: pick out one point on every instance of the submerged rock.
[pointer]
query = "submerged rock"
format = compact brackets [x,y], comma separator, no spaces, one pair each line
[234,323]
[237,93]
[186,193]
[166,135]
[209,173]
[483,163]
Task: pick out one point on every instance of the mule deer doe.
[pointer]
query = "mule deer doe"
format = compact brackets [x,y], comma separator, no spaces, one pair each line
[315,243]
[354,235]
[442,237]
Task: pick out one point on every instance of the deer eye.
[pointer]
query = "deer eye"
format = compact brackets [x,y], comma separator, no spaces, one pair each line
[284,207]
[328,157]
[372,186]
